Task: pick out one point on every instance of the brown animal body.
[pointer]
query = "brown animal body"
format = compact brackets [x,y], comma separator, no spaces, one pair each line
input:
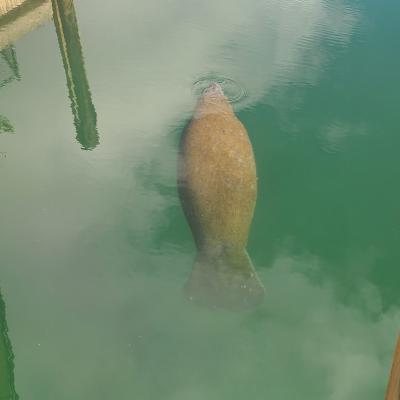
[218,188]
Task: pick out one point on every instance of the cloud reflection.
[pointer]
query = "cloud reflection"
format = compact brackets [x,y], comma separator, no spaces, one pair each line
[119,333]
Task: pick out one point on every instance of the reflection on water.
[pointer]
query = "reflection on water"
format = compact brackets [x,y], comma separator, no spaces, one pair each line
[5,125]
[85,118]
[8,66]
[97,243]
[7,389]
[9,71]
[17,18]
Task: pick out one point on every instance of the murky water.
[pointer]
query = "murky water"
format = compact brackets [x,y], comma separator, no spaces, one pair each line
[94,246]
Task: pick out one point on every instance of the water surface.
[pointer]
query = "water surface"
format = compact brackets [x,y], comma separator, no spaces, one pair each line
[94,247]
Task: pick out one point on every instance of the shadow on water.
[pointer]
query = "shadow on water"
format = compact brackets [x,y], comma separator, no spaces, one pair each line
[7,388]
[85,118]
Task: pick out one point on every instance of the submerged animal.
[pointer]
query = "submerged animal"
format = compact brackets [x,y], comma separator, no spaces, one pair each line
[217,186]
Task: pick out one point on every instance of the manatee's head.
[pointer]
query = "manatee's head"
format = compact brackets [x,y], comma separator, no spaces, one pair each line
[214,90]
[213,101]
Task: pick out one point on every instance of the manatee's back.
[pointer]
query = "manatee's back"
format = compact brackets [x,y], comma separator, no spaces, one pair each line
[217,185]
[217,175]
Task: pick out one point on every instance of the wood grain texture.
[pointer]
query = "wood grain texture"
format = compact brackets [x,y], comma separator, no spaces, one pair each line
[393,389]
[8,5]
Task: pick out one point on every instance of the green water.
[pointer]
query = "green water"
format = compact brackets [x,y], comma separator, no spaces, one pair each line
[94,247]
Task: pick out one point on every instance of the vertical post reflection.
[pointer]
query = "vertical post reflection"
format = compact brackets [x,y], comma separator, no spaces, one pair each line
[9,71]
[85,118]
[7,389]
[9,60]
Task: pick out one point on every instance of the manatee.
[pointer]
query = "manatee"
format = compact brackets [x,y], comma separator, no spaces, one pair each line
[217,185]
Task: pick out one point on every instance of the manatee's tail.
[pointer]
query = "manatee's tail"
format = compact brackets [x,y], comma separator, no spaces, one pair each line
[225,280]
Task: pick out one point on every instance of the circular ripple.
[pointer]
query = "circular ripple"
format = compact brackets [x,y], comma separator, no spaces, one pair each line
[232,90]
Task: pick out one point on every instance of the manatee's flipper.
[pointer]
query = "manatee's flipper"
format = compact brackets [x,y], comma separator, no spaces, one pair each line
[225,279]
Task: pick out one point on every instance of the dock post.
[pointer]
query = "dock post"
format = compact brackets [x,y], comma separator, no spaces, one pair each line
[393,388]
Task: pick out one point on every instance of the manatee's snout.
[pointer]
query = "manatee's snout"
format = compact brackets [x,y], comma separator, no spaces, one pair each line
[214,90]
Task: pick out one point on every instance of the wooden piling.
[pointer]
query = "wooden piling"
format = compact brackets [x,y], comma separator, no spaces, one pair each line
[393,388]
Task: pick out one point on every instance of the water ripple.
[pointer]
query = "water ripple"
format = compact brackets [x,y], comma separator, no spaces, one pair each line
[235,92]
